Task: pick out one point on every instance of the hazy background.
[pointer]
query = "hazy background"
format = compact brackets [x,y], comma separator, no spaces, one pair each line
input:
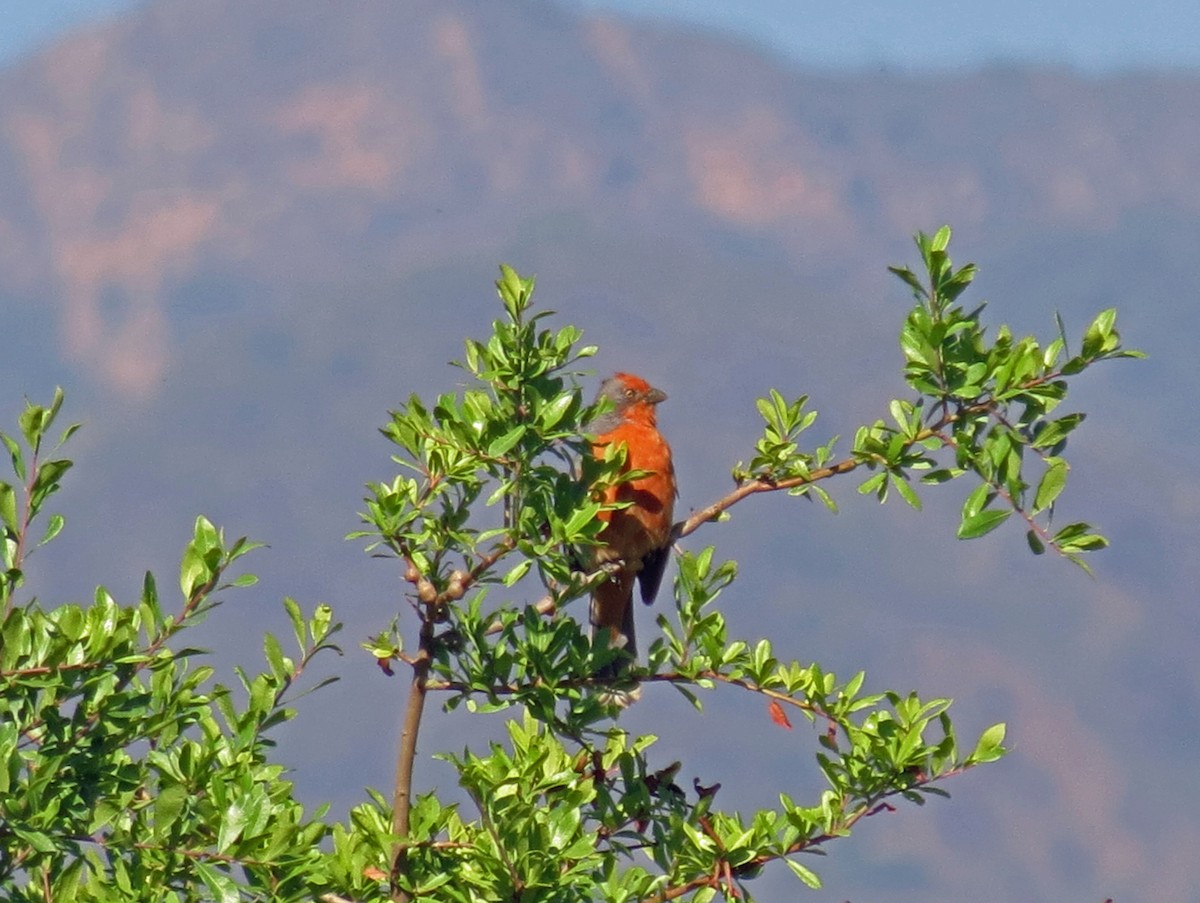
[236,233]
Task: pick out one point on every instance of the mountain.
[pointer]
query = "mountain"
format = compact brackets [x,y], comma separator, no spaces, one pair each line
[238,232]
[202,143]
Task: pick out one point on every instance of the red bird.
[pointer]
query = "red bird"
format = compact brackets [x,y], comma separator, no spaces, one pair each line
[639,535]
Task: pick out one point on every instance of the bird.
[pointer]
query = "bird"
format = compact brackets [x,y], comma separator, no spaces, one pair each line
[636,537]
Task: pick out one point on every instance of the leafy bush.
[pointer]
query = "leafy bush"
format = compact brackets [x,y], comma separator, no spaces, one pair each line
[129,775]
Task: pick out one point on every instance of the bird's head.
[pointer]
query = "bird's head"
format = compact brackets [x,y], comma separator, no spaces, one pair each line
[632,398]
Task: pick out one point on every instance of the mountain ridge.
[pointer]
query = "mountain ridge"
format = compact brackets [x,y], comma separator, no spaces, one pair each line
[133,161]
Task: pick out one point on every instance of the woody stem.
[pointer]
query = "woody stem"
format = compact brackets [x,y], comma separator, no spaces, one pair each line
[406,756]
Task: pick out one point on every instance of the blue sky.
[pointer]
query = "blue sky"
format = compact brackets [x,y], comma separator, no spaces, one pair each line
[29,24]
[1089,34]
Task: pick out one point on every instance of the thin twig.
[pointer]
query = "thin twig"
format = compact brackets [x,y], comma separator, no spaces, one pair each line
[756,485]
[869,807]
[762,484]
[18,558]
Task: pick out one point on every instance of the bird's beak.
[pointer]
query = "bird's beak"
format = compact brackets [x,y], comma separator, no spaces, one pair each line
[655,396]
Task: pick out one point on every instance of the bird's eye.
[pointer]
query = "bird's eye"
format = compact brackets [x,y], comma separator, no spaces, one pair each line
[629,393]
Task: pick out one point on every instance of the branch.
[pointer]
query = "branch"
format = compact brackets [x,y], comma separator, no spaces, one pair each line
[64,668]
[756,485]
[144,659]
[869,807]
[406,755]
[766,484]
[108,843]
[673,677]
[1042,533]
[27,515]
[547,605]
[453,593]
[741,683]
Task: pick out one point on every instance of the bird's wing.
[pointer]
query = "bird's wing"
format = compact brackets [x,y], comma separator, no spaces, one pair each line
[654,564]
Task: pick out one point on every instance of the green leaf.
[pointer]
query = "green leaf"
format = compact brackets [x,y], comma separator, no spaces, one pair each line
[505,443]
[68,433]
[8,508]
[938,476]
[206,536]
[1055,431]
[14,450]
[805,874]
[909,278]
[989,748]
[553,412]
[59,395]
[30,422]
[874,484]
[519,571]
[1052,483]
[580,519]
[281,665]
[825,498]
[41,842]
[1090,543]
[296,618]
[1099,336]
[220,885]
[975,502]
[1035,542]
[193,572]
[1078,538]
[49,476]
[242,547]
[514,291]
[1105,321]
[54,526]
[322,624]
[232,825]
[167,806]
[982,523]
[906,491]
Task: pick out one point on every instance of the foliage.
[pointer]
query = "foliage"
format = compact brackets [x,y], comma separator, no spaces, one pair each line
[128,776]
[574,807]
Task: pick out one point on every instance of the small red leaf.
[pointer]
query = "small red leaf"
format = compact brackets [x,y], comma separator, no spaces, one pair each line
[778,715]
[385,665]
[373,873]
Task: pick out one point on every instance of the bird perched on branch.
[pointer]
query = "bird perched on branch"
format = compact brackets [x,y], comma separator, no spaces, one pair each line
[637,536]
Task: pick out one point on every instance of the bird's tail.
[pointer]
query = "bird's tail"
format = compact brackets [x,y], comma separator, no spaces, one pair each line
[612,613]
